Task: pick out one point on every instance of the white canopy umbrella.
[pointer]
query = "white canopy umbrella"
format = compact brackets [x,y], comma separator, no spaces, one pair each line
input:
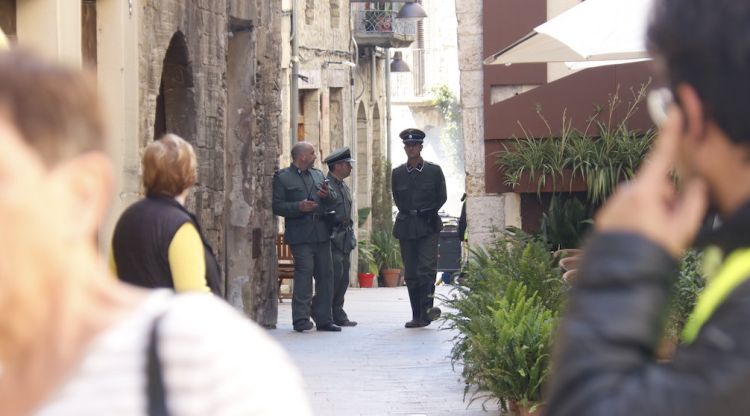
[595,30]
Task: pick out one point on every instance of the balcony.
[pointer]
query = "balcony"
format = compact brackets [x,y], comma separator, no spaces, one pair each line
[381,28]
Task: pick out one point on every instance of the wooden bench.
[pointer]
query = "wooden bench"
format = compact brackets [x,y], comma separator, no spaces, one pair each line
[286,265]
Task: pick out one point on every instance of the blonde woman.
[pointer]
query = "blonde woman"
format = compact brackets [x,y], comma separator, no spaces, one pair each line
[73,340]
[157,242]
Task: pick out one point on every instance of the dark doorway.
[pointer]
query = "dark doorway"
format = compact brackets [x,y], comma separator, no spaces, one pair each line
[175,104]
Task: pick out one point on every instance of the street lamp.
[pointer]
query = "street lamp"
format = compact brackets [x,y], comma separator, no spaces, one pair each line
[398,64]
[411,11]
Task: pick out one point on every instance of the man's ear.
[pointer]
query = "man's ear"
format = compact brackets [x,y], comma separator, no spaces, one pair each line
[692,111]
[87,180]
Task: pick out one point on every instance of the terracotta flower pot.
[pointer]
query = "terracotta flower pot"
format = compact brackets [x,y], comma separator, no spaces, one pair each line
[365,279]
[391,277]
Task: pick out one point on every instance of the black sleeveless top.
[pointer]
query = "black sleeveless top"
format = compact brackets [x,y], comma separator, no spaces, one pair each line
[141,240]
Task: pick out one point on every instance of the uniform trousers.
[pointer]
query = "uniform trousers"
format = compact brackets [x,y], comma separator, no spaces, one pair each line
[312,261]
[341,269]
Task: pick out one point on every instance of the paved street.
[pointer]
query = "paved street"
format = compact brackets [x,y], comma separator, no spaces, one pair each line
[378,367]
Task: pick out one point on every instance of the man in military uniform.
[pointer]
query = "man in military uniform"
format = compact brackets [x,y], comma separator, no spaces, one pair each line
[342,234]
[419,192]
[302,197]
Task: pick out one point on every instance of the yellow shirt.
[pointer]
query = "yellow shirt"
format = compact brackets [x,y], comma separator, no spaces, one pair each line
[187,260]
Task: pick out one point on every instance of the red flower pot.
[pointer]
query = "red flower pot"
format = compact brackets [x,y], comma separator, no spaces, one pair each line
[365,279]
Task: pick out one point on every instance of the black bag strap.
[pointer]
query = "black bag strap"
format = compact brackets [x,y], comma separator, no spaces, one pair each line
[156,394]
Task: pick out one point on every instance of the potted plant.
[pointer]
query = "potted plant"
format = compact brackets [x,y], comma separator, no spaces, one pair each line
[505,310]
[366,266]
[387,253]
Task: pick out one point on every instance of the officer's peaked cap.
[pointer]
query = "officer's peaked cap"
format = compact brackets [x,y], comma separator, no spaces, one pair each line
[412,136]
[343,154]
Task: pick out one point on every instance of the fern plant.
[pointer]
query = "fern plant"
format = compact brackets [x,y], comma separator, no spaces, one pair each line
[503,307]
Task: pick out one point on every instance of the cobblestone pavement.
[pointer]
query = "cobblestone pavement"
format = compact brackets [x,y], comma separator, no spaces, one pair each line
[378,367]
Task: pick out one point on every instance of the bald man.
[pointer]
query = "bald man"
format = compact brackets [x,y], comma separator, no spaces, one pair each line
[301,195]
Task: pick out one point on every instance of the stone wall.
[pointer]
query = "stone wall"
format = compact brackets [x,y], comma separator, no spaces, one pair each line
[203,24]
[219,88]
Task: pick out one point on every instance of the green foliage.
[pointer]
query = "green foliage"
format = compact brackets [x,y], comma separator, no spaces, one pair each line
[689,285]
[382,203]
[362,215]
[451,138]
[365,258]
[605,153]
[386,250]
[512,343]
[504,310]
[565,223]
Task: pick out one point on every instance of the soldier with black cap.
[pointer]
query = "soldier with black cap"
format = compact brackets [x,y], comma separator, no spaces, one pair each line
[302,196]
[341,229]
[419,192]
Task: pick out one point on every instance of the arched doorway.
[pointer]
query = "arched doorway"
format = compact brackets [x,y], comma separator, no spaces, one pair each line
[175,104]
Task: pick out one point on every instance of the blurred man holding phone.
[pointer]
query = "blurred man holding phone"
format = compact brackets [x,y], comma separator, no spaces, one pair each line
[604,360]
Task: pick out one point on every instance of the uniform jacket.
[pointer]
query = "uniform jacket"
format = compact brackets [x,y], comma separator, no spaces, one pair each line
[418,195]
[290,186]
[342,231]
[141,240]
[604,360]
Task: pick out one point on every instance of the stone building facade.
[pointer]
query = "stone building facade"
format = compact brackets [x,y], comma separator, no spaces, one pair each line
[340,90]
[206,70]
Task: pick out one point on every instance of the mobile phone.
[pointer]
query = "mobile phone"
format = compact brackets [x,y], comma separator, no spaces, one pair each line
[658,102]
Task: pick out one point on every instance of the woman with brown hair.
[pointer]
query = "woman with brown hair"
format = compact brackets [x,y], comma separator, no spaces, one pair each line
[157,242]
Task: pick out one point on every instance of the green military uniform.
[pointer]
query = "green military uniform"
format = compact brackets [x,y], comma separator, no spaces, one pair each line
[342,236]
[308,237]
[418,192]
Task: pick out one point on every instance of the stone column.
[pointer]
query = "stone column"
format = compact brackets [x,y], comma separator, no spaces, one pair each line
[485,213]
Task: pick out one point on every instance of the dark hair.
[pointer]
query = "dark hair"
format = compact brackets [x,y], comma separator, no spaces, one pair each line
[54,108]
[706,44]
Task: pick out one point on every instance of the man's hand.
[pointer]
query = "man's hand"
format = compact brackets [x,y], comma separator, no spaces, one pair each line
[307,205]
[323,190]
[650,205]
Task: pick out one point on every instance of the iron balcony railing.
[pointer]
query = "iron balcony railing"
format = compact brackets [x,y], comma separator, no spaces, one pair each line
[384,21]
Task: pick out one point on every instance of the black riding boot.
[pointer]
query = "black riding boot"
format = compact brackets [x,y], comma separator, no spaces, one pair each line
[416,306]
[429,312]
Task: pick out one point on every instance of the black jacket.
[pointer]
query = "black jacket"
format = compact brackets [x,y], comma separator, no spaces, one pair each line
[418,195]
[604,360]
[141,239]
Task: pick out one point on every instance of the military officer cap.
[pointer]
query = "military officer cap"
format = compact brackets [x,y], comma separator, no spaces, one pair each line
[412,136]
[342,154]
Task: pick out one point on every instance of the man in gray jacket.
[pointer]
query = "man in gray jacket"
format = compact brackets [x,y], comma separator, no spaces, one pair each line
[302,197]
[605,362]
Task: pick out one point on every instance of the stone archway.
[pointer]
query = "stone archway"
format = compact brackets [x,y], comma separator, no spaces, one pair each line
[175,104]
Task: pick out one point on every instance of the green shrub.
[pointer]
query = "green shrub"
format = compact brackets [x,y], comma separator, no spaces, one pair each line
[565,223]
[689,285]
[510,347]
[365,258]
[386,250]
[503,310]
[604,154]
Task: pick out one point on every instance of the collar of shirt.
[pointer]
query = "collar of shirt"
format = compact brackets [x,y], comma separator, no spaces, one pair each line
[418,167]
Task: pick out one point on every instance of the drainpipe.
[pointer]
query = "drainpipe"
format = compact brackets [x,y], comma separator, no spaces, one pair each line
[293,82]
[388,104]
